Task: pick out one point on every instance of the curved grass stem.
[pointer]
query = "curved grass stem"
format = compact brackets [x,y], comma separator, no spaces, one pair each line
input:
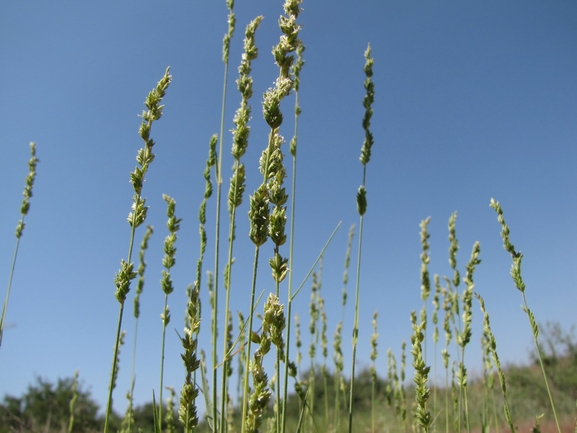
[520,285]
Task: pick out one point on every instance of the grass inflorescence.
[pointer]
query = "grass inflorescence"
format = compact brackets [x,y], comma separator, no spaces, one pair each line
[24,208]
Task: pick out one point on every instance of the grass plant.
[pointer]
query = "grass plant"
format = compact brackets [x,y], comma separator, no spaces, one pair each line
[325,354]
[24,208]
[448,313]
[314,313]
[425,279]
[520,285]
[435,321]
[237,181]
[264,401]
[187,412]
[168,261]
[492,345]
[137,217]
[374,354]
[128,420]
[421,415]
[464,337]
[296,71]
[225,59]
[362,208]
[210,162]
[337,344]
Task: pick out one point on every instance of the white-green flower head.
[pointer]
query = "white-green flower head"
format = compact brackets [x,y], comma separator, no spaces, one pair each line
[259,216]
[367,103]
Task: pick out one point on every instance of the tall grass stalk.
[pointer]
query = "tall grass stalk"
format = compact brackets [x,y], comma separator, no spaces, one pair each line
[210,163]
[419,339]
[24,208]
[520,285]
[258,216]
[139,288]
[314,313]
[168,261]
[325,353]
[373,370]
[421,415]
[298,340]
[273,324]
[392,376]
[225,57]
[402,396]
[338,339]
[488,382]
[487,373]
[289,72]
[492,343]
[272,167]
[137,217]
[435,320]
[362,208]
[456,397]
[296,70]
[128,421]
[116,363]
[237,183]
[241,354]
[464,337]
[453,291]
[448,311]
[169,418]
[274,320]
[425,279]
[188,394]
[454,283]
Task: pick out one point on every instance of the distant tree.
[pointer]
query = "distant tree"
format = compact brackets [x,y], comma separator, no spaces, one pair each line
[45,407]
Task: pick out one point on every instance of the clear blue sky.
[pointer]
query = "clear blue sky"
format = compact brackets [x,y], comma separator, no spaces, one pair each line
[473,100]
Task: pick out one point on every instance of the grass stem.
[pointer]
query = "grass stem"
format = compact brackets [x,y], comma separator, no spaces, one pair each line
[24,208]
[520,285]
[362,207]
[225,57]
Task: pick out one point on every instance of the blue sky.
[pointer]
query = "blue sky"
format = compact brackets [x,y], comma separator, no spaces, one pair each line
[473,100]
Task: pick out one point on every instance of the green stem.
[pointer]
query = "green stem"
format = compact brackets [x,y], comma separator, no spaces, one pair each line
[356,322]
[278,405]
[326,386]
[538,349]
[373,405]
[117,343]
[447,399]
[248,355]
[5,307]
[24,208]
[216,254]
[465,395]
[225,362]
[290,264]
[113,372]
[162,360]
[134,356]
